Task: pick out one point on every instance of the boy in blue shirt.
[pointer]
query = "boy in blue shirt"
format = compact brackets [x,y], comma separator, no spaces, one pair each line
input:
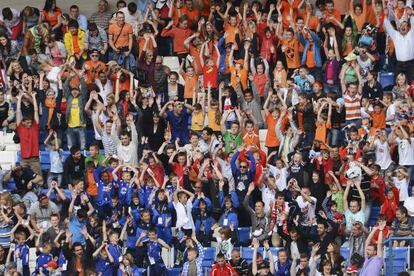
[43,258]
[104,262]
[19,245]
[154,247]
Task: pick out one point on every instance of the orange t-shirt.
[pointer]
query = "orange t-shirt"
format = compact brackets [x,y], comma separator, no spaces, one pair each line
[231,34]
[335,13]
[195,53]
[271,138]
[321,131]
[252,139]
[378,119]
[178,35]
[90,74]
[52,19]
[313,22]
[292,53]
[286,6]
[190,86]
[76,48]
[242,74]
[310,59]
[141,42]
[192,15]
[123,39]
[92,188]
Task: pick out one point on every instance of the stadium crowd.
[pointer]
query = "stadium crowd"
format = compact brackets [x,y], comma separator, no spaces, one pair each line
[144,157]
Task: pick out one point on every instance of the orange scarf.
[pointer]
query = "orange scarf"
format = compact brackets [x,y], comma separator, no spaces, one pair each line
[51,104]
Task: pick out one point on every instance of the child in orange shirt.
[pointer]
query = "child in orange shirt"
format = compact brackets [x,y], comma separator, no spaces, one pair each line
[366,128]
[378,116]
[323,123]
[191,82]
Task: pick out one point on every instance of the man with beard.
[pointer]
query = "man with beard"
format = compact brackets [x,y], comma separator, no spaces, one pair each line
[74,166]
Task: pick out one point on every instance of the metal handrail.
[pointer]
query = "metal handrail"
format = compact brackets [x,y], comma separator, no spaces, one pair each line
[390,249]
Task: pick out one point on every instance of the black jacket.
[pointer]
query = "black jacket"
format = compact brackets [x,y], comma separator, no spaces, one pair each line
[86,260]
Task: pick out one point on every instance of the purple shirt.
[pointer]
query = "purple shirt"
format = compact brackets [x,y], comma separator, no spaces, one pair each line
[372,266]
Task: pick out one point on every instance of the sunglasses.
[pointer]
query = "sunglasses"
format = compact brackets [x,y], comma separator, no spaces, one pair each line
[243,167]
[94,56]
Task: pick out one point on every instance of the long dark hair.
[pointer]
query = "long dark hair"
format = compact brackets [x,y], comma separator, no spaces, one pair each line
[49,4]
[8,44]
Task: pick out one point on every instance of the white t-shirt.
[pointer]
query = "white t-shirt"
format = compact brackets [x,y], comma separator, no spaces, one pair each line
[405,152]
[390,112]
[184,217]
[350,218]
[307,209]
[52,78]
[280,176]
[402,186]
[382,154]
[14,21]
[409,204]
[267,196]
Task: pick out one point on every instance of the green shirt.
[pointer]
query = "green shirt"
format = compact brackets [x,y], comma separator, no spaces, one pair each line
[98,160]
[232,141]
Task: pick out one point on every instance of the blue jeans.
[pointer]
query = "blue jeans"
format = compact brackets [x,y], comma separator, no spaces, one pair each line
[335,137]
[76,136]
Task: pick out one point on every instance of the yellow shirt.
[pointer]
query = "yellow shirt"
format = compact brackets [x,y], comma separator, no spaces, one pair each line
[74,114]
[197,122]
[212,120]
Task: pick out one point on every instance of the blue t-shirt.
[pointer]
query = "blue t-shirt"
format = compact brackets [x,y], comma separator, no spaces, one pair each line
[24,253]
[75,227]
[56,165]
[304,83]
[154,252]
[42,261]
[179,125]
[103,266]
[116,252]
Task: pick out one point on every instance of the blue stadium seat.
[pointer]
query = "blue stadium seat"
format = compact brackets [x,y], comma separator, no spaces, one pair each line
[44,160]
[386,80]
[209,254]
[274,250]
[247,253]
[243,234]
[400,253]
[373,216]
[173,272]
[398,260]
[207,263]
[344,252]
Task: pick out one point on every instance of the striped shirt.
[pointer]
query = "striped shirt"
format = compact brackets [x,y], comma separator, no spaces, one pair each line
[352,107]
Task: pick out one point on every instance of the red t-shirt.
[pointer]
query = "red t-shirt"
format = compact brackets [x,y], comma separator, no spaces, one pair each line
[29,140]
[210,75]
[179,171]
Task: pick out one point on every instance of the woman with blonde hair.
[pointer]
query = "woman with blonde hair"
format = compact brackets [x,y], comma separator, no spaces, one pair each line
[401,86]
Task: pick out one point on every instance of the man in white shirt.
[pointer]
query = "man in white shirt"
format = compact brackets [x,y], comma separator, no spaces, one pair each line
[401,136]
[353,212]
[403,40]
[82,20]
